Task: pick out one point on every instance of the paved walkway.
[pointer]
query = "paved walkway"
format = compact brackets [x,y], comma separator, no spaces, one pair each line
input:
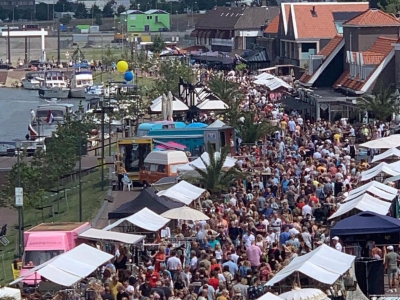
[119,199]
[8,216]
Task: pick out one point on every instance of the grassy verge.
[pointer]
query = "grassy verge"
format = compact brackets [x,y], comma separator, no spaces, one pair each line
[92,199]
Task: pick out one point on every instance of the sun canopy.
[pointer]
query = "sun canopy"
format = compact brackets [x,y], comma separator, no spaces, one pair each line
[97,234]
[211,104]
[387,154]
[365,202]
[273,83]
[145,218]
[205,158]
[375,171]
[185,213]
[177,105]
[323,264]
[388,142]
[146,199]
[6,292]
[183,192]
[366,222]
[375,188]
[68,268]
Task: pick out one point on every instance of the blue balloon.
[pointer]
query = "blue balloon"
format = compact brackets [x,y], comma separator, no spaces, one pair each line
[128,76]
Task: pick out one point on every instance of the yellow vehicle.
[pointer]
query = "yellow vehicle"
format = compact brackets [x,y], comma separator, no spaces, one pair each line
[133,151]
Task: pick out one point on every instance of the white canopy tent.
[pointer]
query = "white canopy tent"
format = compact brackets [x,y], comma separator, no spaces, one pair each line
[6,292]
[323,264]
[212,104]
[375,188]
[264,76]
[177,105]
[375,171]
[68,268]
[183,192]
[273,83]
[388,142]
[98,234]
[145,218]
[365,202]
[205,158]
[392,152]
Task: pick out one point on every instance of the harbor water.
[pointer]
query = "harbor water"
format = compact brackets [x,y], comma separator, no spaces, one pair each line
[15,106]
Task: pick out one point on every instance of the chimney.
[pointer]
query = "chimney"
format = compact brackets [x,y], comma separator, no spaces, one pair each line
[373,4]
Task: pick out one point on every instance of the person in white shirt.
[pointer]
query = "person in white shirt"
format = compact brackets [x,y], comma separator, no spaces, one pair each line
[173,263]
[306,210]
[193,260]
[248,238]
[300,121]
[336,244]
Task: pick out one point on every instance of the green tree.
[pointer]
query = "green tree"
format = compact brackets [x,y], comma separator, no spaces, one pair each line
[66,19]
[94,11]
[108,11]
[158,44]
[215,178]
[250,131]
[108,57]
[169,74]
[63,6]
[98,20]
[3,13]
[230,93]
[42,12]
[120,9]
[78,55]
[390,6]
[80,11]
[382,103]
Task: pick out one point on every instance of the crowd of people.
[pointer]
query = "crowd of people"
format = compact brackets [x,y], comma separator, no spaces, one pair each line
[295,179]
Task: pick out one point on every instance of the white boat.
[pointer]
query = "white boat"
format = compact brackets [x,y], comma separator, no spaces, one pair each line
[54,86]
[79,82]
[95,91]
[32,80]
[47,118]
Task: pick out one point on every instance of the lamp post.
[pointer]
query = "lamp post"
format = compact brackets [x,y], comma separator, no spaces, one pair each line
[16,6]
[80,116]
[19,201]
[193,3]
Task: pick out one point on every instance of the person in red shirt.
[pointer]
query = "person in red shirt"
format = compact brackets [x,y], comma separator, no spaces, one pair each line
[214,281]
[313,199]
[152,276]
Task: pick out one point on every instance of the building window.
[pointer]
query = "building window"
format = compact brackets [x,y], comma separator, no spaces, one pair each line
[149,17]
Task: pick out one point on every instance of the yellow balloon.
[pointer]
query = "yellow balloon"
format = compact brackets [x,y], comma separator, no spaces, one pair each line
[122,66]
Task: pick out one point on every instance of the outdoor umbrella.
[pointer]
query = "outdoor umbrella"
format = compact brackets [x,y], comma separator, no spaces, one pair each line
[185,213]
[269,296]
[304,294]
[383,143]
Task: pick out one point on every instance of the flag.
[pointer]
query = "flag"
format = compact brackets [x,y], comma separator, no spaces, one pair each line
[50,117]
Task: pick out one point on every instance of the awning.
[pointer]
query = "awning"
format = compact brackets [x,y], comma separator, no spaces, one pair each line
[375,188]
[194,33]
[183,192]
[6,292]
[365,202]
[375,171]
[68,268]
[204,160]
[209,104]
[169,145]
[145,219]
[392,152]
[97,234]
[324,264]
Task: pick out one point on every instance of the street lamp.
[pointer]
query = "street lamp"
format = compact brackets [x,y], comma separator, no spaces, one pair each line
[193,3]
[79,115]
[19,200]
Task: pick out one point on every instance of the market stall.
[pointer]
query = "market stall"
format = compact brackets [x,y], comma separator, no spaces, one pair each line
[97,234]
[391,153]
[379,170]
[183,192]
[374,188]
[7,292]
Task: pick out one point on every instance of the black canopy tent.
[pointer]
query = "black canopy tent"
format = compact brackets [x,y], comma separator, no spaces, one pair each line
[147,198]
[366,222]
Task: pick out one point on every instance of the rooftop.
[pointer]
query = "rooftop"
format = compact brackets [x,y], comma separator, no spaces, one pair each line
[316,20]
[373,17]
[228,18]
[273,27]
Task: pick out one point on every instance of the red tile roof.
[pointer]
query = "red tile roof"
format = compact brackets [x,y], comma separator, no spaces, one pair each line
[374,56]
[321,23]
[273,27]
[326,51]
[373,17]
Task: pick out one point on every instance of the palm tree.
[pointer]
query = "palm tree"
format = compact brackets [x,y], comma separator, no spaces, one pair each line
[382,103]
[250,131]
[230,93]
[214,178]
